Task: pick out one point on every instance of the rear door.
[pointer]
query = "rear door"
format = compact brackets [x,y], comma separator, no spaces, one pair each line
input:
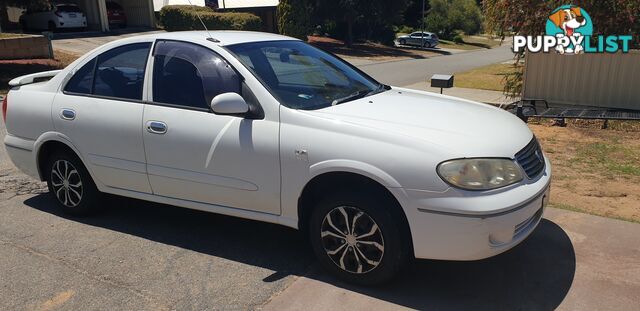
[100,110]
[196,155]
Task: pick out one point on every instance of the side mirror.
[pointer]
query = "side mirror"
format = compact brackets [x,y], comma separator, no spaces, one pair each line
[229,104]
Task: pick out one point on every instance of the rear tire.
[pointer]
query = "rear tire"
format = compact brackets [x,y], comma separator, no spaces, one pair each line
[70,184]
[357,238]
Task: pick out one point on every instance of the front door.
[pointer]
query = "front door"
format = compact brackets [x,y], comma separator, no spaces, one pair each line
[196,155]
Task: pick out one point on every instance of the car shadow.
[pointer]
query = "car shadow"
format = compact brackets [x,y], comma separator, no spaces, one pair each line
[535,275]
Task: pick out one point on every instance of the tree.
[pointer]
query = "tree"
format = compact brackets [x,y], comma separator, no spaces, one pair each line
[446,16]
[4,18]
[361,18]
[294,18]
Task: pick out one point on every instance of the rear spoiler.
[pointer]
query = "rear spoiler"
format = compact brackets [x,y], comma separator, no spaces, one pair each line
[34,77]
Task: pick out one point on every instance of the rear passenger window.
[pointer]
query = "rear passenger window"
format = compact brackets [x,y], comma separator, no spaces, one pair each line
[120,72]
[190,75]
[117,73]
[82,80]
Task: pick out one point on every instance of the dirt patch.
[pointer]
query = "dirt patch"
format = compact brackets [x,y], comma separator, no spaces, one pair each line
[594,170]
[368,50]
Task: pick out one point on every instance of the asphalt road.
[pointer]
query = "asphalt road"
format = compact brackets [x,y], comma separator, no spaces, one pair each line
[411,71]
[135,255]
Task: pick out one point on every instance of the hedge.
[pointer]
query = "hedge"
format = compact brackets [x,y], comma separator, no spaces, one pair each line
[184,17]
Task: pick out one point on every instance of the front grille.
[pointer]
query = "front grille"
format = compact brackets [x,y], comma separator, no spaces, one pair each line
[531,159]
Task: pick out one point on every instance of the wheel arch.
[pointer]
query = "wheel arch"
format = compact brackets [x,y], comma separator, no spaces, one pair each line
[339,180]
[49,143]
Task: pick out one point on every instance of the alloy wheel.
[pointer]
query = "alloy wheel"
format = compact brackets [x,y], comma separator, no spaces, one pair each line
[66,182]
[352,239]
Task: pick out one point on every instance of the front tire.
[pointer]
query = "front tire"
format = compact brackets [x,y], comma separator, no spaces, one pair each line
[403,42]
[357,238]
[70,184]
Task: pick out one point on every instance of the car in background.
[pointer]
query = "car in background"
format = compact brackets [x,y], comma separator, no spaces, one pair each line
[116,15]
[54,17]
[418,38]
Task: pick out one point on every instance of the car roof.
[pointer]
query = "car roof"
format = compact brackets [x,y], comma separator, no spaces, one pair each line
[224,37]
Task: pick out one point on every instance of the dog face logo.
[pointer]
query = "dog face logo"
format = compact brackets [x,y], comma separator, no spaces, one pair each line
[570,24]
[568,20]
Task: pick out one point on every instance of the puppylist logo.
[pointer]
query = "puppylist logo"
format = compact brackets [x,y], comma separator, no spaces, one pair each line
[569,30]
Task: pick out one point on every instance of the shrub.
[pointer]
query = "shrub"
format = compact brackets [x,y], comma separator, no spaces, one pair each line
[294,19]
[403,29]
[458,39]
[184,17]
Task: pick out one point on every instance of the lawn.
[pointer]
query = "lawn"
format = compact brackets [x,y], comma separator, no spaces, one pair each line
[5,35]
[489,77]
[471,43]
[595,171]
[10,69]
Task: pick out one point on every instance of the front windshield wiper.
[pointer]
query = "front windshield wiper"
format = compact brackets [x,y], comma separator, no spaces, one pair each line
[350,97]
[360,94]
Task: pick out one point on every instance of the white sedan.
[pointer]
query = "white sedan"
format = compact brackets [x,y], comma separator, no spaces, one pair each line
[269,128]
[54,17]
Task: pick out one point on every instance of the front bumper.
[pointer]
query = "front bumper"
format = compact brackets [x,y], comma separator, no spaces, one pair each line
[473,231]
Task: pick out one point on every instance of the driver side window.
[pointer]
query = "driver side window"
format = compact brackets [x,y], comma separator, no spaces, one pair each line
[190,76]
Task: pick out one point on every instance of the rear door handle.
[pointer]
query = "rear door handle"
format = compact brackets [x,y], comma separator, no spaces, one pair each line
[67,114]
[156,127]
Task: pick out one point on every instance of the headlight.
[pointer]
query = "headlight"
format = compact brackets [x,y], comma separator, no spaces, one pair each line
[480,174]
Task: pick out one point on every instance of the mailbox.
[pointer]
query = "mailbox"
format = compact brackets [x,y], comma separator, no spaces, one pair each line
[442,81]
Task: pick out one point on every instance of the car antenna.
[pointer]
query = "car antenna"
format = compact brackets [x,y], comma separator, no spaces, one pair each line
[211,38]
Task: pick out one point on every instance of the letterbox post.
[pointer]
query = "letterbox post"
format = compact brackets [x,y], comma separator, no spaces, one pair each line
[442,81]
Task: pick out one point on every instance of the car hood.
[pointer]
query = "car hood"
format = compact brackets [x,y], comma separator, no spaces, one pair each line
[441,124]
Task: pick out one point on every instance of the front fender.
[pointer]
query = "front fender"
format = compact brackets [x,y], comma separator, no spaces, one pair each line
[356,167]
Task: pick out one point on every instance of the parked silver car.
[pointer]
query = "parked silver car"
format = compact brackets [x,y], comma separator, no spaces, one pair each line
[418,38]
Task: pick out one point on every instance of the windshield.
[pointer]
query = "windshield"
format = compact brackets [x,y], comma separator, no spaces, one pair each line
[303,77]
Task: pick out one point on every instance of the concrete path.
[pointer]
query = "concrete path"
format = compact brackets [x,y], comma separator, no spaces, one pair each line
[572,261]
[82,43]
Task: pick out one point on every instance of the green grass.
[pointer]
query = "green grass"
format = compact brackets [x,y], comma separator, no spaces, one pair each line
[614,158]
[489,77]
[579,210]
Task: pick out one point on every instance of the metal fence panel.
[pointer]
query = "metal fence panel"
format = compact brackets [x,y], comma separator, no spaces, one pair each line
[599,80]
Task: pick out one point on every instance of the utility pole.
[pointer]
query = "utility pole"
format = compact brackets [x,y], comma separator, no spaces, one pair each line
[422,26]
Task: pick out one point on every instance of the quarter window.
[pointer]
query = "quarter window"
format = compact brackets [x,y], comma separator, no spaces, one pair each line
[190,75]
[82,81]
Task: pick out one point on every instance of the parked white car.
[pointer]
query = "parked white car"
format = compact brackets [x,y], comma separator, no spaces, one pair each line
[267,127]
[55,17]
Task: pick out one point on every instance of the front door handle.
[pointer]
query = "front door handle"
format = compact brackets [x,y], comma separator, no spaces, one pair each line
[156,127]
[67,114]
